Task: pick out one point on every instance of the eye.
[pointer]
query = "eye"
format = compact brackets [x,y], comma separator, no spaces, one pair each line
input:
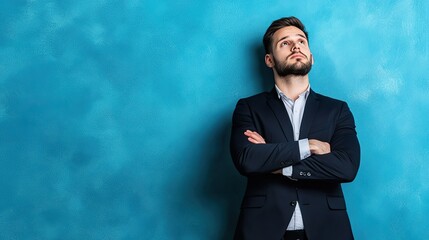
[284,44]
[302,42]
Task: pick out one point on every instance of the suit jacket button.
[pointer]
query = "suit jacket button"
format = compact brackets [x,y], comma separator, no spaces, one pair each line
[301,173]
[308,174]
[282,162]
[293,203]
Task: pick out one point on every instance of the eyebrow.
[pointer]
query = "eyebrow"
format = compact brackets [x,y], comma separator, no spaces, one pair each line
[291,36]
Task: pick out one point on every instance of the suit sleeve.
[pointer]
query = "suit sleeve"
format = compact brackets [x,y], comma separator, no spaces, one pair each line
[253,159]
[342,164]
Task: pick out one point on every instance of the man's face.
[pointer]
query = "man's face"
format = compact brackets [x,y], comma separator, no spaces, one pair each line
[291,54]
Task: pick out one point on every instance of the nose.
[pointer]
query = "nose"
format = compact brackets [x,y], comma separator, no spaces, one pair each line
[295,47]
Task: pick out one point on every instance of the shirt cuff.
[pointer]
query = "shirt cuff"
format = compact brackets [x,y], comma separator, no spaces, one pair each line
[287,171]
[304,148]
[304,152]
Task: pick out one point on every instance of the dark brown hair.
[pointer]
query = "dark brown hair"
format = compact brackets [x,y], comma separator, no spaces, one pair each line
[278,24]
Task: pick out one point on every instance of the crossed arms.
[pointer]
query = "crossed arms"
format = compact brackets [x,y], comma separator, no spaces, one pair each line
[316,147]
[337,160]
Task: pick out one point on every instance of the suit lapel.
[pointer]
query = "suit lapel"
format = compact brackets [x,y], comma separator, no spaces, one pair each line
[309,113]
[280,112]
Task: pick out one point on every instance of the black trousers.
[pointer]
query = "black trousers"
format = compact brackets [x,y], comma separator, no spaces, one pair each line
[295,235]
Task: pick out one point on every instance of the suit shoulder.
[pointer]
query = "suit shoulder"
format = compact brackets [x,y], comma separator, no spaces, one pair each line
[257,98]
[329,100]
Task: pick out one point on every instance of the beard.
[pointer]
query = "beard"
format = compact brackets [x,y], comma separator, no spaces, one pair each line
[299,68]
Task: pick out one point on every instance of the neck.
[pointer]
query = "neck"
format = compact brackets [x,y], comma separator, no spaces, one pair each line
[292,85]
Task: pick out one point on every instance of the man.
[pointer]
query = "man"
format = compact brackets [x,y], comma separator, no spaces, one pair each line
[295,147]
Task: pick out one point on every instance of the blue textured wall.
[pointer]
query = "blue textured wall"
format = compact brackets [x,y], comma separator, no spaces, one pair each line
[115,115]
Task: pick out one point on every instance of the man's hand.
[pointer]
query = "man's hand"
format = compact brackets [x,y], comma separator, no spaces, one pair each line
[254,137]
[318,147]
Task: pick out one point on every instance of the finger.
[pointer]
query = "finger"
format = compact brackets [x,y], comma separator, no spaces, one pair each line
[254,135]
[248,133]
[257,134]
[258,139]
[251,132]
[252,140]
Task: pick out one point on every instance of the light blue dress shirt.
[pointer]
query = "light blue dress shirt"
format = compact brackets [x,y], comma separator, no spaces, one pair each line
[295,110]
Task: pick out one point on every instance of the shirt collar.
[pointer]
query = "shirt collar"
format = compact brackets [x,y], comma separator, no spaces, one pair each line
[280,93]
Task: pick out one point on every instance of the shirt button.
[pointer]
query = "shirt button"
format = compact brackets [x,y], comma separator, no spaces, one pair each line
[293,203]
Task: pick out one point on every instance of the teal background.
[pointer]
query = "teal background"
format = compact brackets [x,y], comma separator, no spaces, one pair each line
[115,115]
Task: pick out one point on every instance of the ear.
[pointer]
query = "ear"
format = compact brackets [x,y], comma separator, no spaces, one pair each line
[269,60]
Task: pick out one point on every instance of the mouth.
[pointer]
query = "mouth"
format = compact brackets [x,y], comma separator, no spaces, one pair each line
[297,55]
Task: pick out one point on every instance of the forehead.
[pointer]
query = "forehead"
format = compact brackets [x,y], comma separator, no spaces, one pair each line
[286,32]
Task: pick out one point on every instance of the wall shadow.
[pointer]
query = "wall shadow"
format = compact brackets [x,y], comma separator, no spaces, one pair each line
[263,74]
[224,187]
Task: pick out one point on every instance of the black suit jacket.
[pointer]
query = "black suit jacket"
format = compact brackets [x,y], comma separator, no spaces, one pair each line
[270,199]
